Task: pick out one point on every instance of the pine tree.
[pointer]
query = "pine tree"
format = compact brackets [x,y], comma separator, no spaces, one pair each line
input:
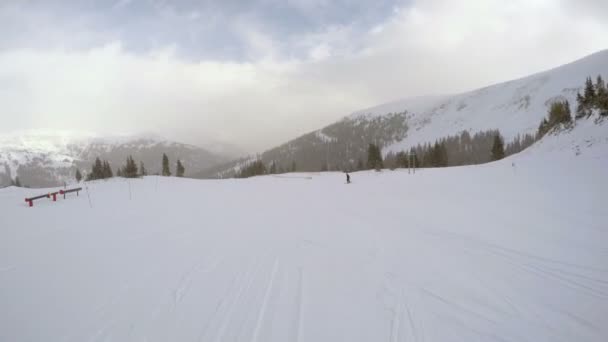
[543,128]
[589,94]
[273,168]
[443,155]
[374,157]
[166,171]
[601,93]
[96,170]
[293,166]
[130,169]
[360,164]
[119,172]
[107,170]
[567,113]
[581,110]
[78,176]
[498,151]
[17,182]
[142,169]
[559,113]
[179,169]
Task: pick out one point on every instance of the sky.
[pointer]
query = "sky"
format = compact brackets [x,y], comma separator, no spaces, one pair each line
[257,73]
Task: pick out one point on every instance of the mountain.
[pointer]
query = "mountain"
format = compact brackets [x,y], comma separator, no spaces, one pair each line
[515,108]
[337,146]
[43,159]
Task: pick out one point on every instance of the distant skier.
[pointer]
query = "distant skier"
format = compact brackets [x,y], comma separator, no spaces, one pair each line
[347,178]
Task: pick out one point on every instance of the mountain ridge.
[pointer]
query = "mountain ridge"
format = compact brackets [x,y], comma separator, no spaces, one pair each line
[48,158]
[514,107]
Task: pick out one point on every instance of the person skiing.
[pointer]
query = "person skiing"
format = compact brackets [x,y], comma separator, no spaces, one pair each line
[347,178]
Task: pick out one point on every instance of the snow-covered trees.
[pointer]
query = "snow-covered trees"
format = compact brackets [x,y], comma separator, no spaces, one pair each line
[595,97]
[78,176]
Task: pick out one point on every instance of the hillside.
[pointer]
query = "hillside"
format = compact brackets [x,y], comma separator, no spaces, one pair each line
[515,108]
[43,159]
[513,250]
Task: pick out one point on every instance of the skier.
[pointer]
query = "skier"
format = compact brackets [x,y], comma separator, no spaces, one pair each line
[347,178]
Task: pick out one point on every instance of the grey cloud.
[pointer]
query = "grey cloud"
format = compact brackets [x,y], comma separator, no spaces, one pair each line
[263,84]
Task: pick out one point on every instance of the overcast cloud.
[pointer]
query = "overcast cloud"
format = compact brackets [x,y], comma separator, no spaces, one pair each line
[259,73]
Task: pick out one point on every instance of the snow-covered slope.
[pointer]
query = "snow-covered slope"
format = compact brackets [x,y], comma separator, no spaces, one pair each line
[588,137]
[512,251]
[514,107]
[44,158]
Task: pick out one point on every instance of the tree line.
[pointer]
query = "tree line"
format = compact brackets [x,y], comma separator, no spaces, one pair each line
[462,149]
[459,150]
[101,169]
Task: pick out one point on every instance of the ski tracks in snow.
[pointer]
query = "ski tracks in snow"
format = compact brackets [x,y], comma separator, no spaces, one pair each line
[224,318]
[582,278]
[185,281]
[233,306]
[402,323]
[261,293]
[264,306]
[299,315]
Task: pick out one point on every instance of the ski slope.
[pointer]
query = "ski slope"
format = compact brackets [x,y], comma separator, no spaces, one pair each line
[512,251]
[515,107]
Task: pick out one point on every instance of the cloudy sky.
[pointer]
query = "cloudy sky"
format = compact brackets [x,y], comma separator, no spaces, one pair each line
[256,73]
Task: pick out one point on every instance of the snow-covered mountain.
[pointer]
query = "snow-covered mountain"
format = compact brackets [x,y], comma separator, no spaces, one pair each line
[47,158]
[514,107]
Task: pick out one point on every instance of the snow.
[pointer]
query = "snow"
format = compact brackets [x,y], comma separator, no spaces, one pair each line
[513,250]
[514,107]
[588,137]
[324,137]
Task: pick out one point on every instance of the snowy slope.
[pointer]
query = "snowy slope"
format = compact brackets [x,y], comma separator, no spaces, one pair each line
[514,107]
[588,137]
[513,251]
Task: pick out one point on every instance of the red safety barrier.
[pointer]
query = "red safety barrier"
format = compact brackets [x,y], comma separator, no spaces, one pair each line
[63,192]
[31,200]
